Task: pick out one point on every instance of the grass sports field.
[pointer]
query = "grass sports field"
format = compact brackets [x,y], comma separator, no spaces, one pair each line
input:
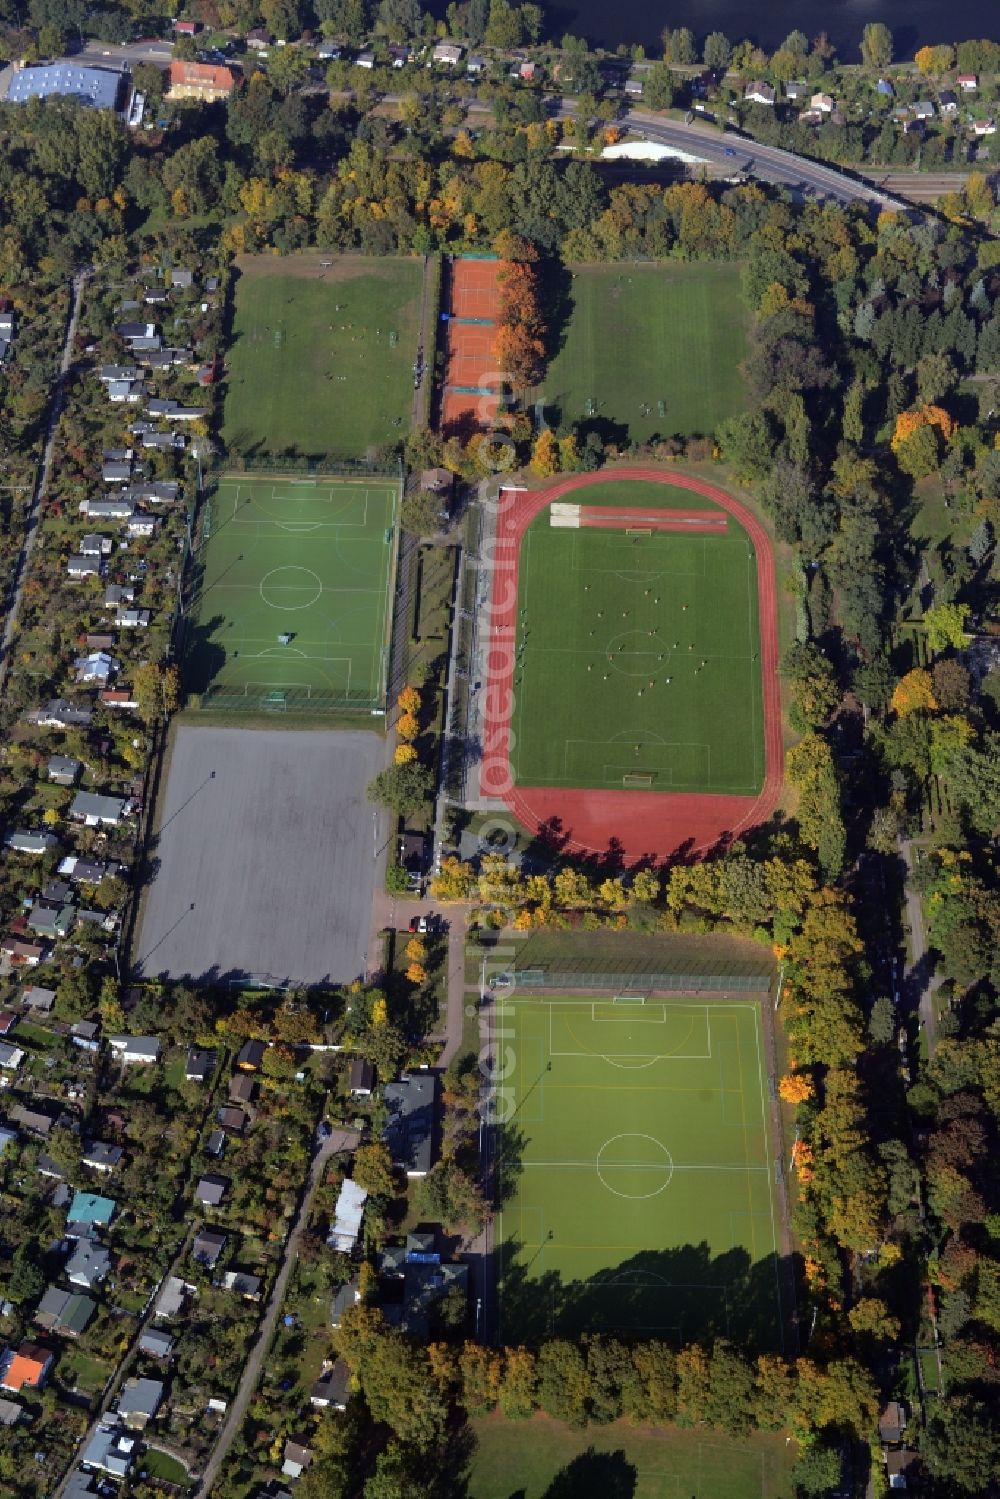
[308,558]
[320,360]
[638,656]
[540,1459]
[638,1171]
[653,350]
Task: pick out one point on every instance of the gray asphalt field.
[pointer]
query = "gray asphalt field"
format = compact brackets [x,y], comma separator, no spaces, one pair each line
[265,857]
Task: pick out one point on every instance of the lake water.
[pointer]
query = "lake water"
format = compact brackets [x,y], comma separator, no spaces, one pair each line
[768,22]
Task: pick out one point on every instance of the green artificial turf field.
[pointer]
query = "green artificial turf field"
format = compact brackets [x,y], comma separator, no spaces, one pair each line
[639,336]
[539,1459]
[638,1171]
[320,361]
[309,558]
[638,656]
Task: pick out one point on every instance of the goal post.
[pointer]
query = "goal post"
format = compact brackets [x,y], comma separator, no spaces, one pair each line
[628,999]
[638,531]
[638,778]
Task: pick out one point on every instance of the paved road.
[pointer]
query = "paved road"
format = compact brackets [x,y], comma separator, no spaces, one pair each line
[920,982]
[769,163]
[109,55]
[42,480]
[344,1139]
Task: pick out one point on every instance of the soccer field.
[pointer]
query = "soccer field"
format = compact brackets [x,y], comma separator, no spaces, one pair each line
[639,1170]
[637,656]
[320,361]
[651,351]
[309,559]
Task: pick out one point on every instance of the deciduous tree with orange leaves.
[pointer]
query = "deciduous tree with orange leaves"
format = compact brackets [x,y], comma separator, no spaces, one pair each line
[914,693]
[908,422]
[795,1088]
[519,345]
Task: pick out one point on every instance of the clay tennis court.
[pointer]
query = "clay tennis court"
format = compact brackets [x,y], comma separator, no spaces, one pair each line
[634,823]
[472,383]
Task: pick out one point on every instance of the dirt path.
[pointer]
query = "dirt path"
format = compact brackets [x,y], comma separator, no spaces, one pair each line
[344,1139]
[920,982]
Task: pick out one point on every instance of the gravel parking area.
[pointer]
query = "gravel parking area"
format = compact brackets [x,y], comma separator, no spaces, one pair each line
[263,860]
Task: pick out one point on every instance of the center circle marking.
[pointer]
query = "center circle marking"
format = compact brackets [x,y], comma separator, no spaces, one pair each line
[290,577]
[639,656]
[665,1166]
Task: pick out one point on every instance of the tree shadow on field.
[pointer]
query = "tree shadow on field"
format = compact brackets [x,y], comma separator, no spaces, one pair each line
[203,656]
[684,1294]
[560,303]
[595,1475]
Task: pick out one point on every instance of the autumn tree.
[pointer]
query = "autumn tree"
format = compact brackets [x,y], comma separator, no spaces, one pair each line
[914,693]
[545,454]
[373,1170]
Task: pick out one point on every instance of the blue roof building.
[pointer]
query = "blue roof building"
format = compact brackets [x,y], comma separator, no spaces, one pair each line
[97,87]
[88,1207]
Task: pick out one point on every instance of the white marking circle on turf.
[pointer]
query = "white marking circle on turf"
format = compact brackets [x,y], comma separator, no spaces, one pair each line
[667,1166]
[289,582]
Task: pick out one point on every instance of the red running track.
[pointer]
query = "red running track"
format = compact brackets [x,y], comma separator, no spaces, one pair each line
[607,518]
[637,825]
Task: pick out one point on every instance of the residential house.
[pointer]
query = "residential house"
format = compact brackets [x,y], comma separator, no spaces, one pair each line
[117,594]
[84,871]
[199,1065]
[35,844]
[759,92]
[10,1412]
[101,1155]
[297,1455]
[892,1423]
[924,110]
[8,1022]
[139,1400]
[409,1132]
[348,1213]
[208,1246]
[983,127]
[65,1312]
[475,65]
[117,509]
[135,1051]
[344,1298]
[232,1120]
[35,1120]
[111,1449]
[399,55]
[88,1210]
[181,277]
[133,619]
[194,80]
[242,1089]
[25,1368]
[84,567]
[115,374]
[116,473]
[797,90]
[63,770]
[60,714]
[97,667]
[967,82]
[250,1056]
[86,1035]
[97,811]
[365,59]
[156,1344]
[448,54]
[633,88]
[38,998]
[243,1284]
[80,1485]
[215,1144]
[333,1389]
[88,1265]
[20,954]
[259,40]
[211,1190]
[57,892]
[948,103]
[885,89]
[121,698]
[824,104]
[426,1280]
[11,1057]
[164,441]
[51,921]
[899,1467]
[361,1080]
[326,52]
[141,527]
[172,1297]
